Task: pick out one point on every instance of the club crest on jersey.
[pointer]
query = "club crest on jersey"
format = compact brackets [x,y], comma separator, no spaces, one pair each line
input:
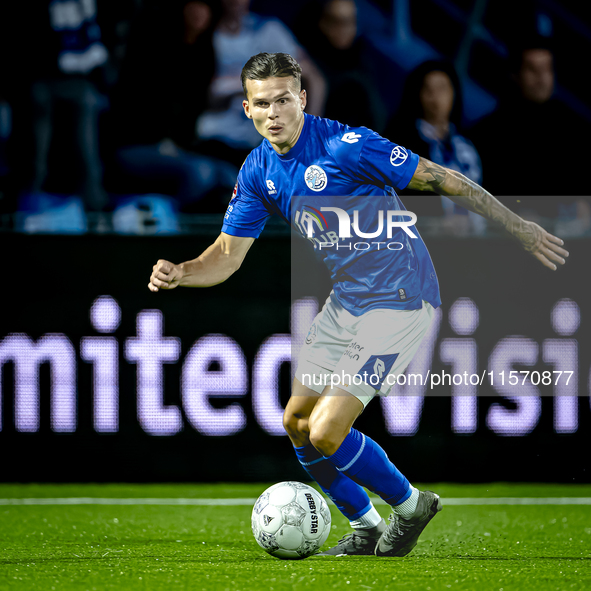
[398,156]
[271,188]
[315,178]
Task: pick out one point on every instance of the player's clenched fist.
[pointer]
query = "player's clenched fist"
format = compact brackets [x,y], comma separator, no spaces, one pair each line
[165,275]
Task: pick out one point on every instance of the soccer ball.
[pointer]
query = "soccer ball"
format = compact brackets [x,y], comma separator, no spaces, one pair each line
[290,520]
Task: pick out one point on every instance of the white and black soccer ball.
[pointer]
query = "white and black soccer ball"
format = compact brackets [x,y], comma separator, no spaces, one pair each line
[290,520]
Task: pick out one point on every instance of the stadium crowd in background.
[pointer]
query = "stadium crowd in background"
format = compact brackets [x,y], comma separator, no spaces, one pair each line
[162,89]
[429,122]
[330,30]
[103,102]
[528,126]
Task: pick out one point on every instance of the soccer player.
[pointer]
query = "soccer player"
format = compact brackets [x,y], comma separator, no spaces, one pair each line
[382,300]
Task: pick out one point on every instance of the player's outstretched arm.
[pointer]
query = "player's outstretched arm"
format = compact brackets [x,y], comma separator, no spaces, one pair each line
[213,266]
[461,190]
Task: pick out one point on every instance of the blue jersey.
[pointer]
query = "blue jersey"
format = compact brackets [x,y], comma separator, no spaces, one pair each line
[334,169]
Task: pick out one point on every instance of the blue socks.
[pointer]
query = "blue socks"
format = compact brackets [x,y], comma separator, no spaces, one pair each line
[365,462]
[350,498]
[358,462]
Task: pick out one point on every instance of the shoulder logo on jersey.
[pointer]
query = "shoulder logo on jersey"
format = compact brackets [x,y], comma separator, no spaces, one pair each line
[234,192]
[315,178]
[351,137]
[271,188]
[398,156]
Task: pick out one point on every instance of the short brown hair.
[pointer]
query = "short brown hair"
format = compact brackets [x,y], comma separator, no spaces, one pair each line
[271,65]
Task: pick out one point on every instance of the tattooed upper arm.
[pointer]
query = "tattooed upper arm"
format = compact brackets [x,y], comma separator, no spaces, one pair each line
[428,176]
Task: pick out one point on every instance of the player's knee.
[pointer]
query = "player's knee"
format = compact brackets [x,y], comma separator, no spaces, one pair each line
[325,438]
[296,428]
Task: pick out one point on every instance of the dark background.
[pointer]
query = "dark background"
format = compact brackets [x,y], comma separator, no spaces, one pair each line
[52,281]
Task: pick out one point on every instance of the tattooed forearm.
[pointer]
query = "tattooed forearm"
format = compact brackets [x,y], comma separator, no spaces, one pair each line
[461,190]
[428,176]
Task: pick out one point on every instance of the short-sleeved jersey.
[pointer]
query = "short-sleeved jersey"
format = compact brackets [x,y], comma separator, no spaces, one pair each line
[355,170]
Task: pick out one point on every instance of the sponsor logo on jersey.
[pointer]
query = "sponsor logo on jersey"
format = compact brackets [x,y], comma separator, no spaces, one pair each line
[310,219]
[228,212]
[351,137]
[271,188]
[398,156]
[402,293]
[312,223]
[315,178]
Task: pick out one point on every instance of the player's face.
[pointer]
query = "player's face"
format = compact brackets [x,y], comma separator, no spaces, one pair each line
[277,110]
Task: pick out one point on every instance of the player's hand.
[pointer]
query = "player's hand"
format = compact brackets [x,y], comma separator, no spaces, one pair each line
[165,275]
[542,245]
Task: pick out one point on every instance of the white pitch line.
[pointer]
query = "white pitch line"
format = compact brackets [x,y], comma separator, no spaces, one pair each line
[245,502]
[117,501]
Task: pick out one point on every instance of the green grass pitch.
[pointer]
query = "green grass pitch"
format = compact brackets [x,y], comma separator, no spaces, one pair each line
[152,547]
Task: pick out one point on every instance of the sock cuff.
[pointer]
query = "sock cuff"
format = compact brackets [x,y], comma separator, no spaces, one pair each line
[367,519]
[407,506]
[364,511]
[349,451]
[308,455]
[401,497]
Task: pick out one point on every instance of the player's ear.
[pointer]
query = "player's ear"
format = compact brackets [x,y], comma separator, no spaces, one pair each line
[303,98]
[246,107]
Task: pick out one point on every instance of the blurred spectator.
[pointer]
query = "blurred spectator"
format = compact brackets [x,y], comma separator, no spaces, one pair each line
[52,69]
[5,131]
[428,123]
[520,141]
[343,57]
[115,20]
[163,87]
[240,35]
